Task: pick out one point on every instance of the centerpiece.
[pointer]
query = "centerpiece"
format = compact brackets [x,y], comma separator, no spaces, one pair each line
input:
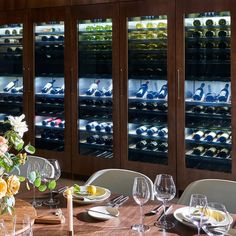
[13,153]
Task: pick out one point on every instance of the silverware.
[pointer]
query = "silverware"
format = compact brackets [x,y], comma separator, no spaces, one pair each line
[168,209]
[59,191]
[121,201]
[114,200]
[154,211]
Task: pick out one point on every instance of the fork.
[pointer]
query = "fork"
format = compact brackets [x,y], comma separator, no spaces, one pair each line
[113,201]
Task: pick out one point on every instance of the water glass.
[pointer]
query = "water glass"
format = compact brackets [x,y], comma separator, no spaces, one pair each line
[141,194]
[219,220]
[27,226]
[198,210]
[10,229]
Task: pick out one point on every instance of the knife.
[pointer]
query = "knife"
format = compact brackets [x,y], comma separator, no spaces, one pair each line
[154,211]
[168,209]
[114,200]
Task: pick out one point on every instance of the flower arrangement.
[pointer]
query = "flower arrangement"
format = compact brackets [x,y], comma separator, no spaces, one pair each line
[13,153]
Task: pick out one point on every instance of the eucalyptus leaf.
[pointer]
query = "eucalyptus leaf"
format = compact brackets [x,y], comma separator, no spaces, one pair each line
[37,182]
[21,178]
[30,149]
[32,176]
[52,185]
[42,188]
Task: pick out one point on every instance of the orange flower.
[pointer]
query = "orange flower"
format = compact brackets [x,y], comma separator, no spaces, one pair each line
[13,185]
[3,188]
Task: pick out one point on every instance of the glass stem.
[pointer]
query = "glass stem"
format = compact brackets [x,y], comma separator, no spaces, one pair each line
[198,230]
[34,201]
[51,198]
[164,209]
[141,213]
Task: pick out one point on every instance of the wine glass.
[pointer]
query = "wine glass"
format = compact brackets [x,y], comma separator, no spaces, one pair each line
[219,219]
[141,194]
[51,171]
[33,170]
[164,190]
[198,210]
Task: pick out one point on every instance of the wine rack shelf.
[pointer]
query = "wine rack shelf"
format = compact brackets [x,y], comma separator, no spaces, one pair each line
[227,144]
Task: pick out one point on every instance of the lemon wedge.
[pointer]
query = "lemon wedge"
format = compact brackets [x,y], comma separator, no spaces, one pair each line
[91,189]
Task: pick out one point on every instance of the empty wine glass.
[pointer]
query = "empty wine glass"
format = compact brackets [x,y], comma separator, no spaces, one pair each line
[33,170]
[51,171]
[198,210]
[141,194]
[164,190]
[219,219]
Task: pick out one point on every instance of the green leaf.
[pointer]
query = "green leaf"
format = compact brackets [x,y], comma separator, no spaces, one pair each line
[42,188]
[76,188]
[52,185]
[37,182]
[30,149]
[21,178]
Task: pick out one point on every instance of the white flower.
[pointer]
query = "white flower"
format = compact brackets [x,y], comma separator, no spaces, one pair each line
[18,125]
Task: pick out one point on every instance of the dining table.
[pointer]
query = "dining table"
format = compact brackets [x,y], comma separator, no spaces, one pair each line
[129,214]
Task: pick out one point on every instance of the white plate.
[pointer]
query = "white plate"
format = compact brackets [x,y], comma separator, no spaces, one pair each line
[100,192]
[94,212]
[181,213]
[91,199]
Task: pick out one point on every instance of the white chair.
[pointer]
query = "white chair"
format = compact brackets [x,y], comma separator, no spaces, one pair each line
[216,190]
[23,168]
[118,181]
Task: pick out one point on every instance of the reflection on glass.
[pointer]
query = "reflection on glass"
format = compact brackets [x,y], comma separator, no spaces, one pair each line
[148,89]
[11,74]
[208,91]
[49,85]
[95,88]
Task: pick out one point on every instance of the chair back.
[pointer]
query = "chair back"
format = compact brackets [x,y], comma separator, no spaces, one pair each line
[118,181]
[216,190]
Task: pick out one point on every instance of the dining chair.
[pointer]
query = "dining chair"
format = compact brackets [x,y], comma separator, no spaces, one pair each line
[118,181]
[216,190]
[23,168]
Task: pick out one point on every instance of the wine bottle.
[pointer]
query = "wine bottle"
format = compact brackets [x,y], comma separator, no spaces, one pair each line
[199,93]
[98,93]
[162,147]
[152,95]
[55,90]
[162,132]
[92,138]
[141,144]
[163,92]
[223,110]
[62,89]
[142,90]
[209,44]
[10,85]
[197,23]
[47,86]
[223,22]
[224,94]
[151,105]
[141,130]
[222,33]
[209,22]
[196,34]
[17,89]
[198,135]
[47,121]
[93,87]
[152,145]
[210,109]
[141,105]
[108,92]
[100,126]
[209,136]
[223,137]
[209,33]
[91,125]
[62,124]
[211,152]
[199,150]
[162,106]
[102,139]
[210,97]
[152,130]
[198,109]
[223,153]
[223,45]
[109,128]
[109,141]
[55,122]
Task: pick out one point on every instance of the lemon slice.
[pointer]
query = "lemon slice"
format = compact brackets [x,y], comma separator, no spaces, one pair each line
[91,189]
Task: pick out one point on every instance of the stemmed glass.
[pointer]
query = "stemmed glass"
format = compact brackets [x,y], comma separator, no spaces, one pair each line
[51,171]
[219,219]
[141,194]
[33,170]
[198,210]
[164,190]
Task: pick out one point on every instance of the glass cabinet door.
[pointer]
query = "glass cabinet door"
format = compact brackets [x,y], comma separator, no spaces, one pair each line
[147,89]
[208,91]
[11,70]
[95,88]
[49,85]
